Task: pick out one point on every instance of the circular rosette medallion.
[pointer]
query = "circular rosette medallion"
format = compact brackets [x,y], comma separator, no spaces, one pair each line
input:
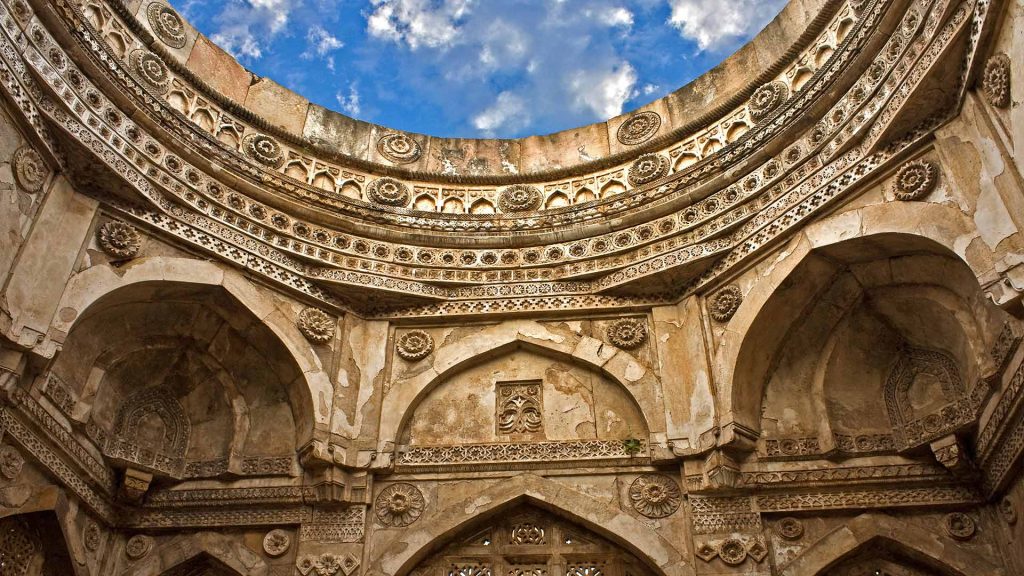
[520,198]
[399,505]
[628,333]
[399,148]
[638,128]
[263,149]
[316,325]
[166,24]
[655,495]
[415,345]
[30,171]
[119,239]
[726,303]
[767,98]
[916,180]
[151,69]
[388,191]
[648,168]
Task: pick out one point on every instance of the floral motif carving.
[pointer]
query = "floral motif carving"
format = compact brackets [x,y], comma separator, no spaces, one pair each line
[638,128]
[399,148]
[519,407]
[263,149]
[655,495]
[119,239]
[11,462]
[767,98]
[166,24]
[30,171]
[959,525]
[138,546]
[327,564]
[725,303]
[519,198]
[91,536]
[628,333]
[915,180]
[399,505]
[732,551]
[276,542]
[388,191]
[995,81]
[790,528]
[648,168]
[1007,510]
[151,69]
[415,345]
[316,325]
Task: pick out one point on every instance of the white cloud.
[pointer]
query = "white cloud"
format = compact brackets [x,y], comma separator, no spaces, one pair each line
[716,24]
[507,113]
[616,17]
[349,103]
[321,42]
[250,25]
[604,92]
[418,23]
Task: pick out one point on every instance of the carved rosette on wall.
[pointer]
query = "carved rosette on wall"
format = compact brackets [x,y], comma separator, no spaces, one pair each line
[628,333]
[725,303]
[151,69]
[959,525]
[732,551]
[327,564]
[166,24]
[655,495]
[995,81]
[119,239]
[91,536]
[648,168]
[790,528]
[276,542]
[399,505]
[30,172]
[767,99]
[520,198]
[638,128]
[11,462]
[388,191]
[316,325]
[399,148]
[138,547]
[1007,510]
[915,180]
[263,149]
[414,345]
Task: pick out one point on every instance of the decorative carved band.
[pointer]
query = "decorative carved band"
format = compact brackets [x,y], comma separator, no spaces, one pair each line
[541,453]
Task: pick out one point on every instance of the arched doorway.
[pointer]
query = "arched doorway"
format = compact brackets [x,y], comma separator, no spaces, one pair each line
[33,545]
[528,541]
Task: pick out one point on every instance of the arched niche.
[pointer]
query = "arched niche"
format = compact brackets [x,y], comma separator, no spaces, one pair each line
[863,338]
[527,540]
[882,542]
[522,394]
[181,379]
[400,554]
[33,544]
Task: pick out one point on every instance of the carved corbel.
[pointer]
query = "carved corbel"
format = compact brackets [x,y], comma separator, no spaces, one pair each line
[951,453]
[135,485]
[1006,292]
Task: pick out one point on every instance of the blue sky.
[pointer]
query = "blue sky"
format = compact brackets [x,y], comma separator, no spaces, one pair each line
[480,68]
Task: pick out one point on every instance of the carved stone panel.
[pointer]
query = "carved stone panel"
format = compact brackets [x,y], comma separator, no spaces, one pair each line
[519,408]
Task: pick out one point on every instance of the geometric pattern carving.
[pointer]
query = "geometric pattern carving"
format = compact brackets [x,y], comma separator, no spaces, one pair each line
[335,525]
[519,407]
[516,452]
[18,546]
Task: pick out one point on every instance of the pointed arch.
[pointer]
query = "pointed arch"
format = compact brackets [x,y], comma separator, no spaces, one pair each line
[642,385]
[404,551]
[868,529]
[206,550]
[88,287]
